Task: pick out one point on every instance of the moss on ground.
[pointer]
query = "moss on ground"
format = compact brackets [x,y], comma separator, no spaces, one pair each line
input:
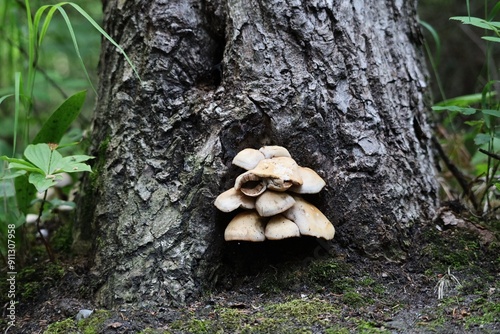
[94,324]
[293,316]
[336,294]
[34,279]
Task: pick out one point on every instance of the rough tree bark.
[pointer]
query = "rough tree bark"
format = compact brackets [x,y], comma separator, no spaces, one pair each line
[339,83]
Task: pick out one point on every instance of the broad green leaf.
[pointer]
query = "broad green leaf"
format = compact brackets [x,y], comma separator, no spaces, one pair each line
[73,164]
[42,182]
[79,158]
[77,167]
[49,161]
[40,156]
[12,175]
[462,110]
[491,112]
[58,202]
[15,165]
[24,193]
[60,120]
[20,162]
[482,138]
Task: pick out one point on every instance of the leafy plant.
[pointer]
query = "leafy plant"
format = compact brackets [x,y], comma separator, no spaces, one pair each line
[42,164]
[45,165]
[481,112]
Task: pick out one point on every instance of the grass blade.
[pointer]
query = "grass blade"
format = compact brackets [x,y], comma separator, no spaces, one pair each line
[17,108]
[105,34]
[75,45]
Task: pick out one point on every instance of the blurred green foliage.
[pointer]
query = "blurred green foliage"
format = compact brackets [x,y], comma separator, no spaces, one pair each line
[59,73]
[462,44]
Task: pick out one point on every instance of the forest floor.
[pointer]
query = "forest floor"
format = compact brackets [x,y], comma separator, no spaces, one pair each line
[449,284]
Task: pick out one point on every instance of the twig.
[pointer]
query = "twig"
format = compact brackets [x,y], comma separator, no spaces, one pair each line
[492,155]
[45,242]
[456,173]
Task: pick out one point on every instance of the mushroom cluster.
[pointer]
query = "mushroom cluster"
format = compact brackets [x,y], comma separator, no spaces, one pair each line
[269,191]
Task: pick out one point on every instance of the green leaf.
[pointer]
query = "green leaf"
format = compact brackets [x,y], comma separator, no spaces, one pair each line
[42,182]
[462,110]
[475,123]
[24,193]
[49,161]
[105,34]
[60,120]
[491,38]
[21,164]
[477,22]
[73,164]
[491,112]
[436,39]
[13,175]
[40,156]
[18,166]
[462,101]
[56,202]
[79,158]
[481,138]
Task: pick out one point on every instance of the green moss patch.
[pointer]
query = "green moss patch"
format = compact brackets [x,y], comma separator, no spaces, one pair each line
[94,324]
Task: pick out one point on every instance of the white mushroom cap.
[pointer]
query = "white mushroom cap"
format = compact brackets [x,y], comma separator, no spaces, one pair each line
[66,180]
[279,228]
[250,184]
[246,226]
[51,194]
[233,199]
[248,158]
[278,184]
[271,203]
[282,168]
[31,218]
[270,152]
[310,220]
[312,182]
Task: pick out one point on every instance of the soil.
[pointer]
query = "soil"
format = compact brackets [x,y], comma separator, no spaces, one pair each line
[449,284]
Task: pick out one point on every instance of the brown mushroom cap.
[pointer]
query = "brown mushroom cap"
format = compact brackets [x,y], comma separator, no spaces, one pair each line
[233,199]
[312,182]
[309,219]
[279,228]
[271,203]
[246,226]
[274,151]
[248,158]
[250,184]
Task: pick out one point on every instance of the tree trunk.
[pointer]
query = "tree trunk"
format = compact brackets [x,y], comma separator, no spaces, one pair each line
[341,84]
